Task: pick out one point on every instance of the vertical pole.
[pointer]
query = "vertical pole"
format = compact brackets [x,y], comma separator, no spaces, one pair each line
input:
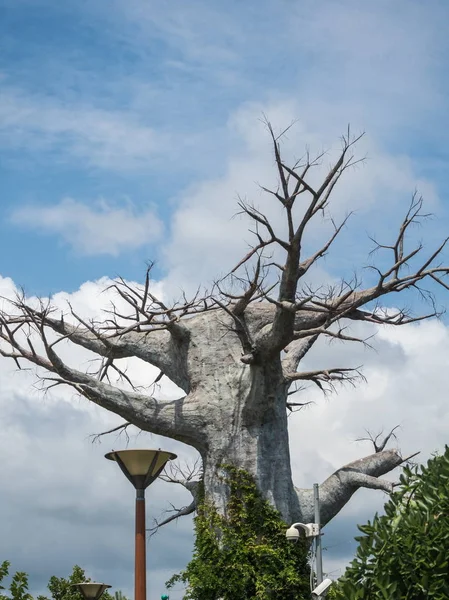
[140,573]
[319,553]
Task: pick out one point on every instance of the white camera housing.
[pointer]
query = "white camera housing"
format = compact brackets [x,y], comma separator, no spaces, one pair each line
[322,588]
[309,529]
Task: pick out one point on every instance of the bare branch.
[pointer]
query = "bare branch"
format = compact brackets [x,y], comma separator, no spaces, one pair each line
[326,379]
[255,283]
[298,335]
[158,348]
[162,418]
[120,428]
[177,513]
[280,334]
[296,406]
[379,447]
[394,279]
[305,265]
[189,476]
[336,491]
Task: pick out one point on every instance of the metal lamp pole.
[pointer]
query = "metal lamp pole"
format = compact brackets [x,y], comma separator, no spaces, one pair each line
[318,547]
[141,467]
[140,565]
[313,530]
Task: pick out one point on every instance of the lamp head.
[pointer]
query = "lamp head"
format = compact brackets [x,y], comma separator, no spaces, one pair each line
[91,590]
[141,467]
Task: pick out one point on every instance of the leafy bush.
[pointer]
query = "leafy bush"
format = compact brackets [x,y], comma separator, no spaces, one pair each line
[244,554]
[404,554]
[60,588]
[18,586]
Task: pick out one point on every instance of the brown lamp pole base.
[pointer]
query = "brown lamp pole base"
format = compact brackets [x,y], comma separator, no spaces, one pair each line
[140,574]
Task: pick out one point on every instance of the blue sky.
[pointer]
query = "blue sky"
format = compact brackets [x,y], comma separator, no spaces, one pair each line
[127,129]
[129,104]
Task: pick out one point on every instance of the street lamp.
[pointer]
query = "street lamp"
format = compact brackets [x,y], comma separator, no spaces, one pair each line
[91,590]
[141,467]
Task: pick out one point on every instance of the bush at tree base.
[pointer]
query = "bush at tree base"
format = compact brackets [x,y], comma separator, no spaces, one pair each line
[245,553]
[404,554]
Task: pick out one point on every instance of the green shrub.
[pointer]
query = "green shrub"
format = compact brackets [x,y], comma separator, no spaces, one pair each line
[404,554]
[244,554]
[60,588]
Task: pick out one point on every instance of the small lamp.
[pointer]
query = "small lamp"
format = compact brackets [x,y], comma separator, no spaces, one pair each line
[91,590]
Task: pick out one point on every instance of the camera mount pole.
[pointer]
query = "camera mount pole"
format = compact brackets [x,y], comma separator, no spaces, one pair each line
[319,551]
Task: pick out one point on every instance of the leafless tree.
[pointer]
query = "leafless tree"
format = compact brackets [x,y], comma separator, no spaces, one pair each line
[236,352]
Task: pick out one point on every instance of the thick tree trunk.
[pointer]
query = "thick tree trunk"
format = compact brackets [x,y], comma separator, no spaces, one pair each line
[257,445]
[244,416]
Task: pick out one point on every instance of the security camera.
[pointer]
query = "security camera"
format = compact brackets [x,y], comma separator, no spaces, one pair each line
[294,532]
[321,589]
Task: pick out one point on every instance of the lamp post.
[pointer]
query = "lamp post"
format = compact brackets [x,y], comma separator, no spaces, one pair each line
[141,467]
[318,547]
[91,590]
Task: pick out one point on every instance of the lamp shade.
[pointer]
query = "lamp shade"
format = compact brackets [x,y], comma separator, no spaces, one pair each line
[141,467]
[91,590]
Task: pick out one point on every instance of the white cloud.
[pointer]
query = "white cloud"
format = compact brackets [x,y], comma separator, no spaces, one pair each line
[91,230]
[105,138]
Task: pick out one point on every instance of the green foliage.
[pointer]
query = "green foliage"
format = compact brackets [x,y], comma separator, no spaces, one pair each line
[60,588]
[244,554]
[18,587]
[4,570]
[404,554]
